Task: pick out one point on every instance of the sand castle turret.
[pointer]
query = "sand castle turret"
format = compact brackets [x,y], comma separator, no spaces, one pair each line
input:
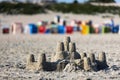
[30,62]
[72,56]
[61,65]
[60,47]
[93,62]
[66,58]
[87,64]
[60,54]
[102,61]
[92,57]
[30,59]
[66,42]
[72,47]
[36,65]
[102,57]
[73,52]
[83,55]
[41,61]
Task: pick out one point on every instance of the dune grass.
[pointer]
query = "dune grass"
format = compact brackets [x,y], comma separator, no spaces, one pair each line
[28,8]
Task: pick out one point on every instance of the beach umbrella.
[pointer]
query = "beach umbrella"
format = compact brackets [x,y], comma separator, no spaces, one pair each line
[17,28]
[61,29]
[69,29]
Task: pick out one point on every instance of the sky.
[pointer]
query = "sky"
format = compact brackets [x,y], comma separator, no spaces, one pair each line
[118,1]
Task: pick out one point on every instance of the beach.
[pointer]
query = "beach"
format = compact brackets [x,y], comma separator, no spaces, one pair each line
[49,16]
[15,48]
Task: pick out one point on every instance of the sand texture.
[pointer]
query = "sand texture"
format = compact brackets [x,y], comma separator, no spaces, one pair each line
[15,48]
[26,19]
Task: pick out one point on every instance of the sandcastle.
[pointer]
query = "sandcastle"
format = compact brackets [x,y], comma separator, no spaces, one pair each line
[36,65]
[66,58]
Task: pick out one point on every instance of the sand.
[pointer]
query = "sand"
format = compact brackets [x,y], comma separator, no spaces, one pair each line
[15,48]
[26,19]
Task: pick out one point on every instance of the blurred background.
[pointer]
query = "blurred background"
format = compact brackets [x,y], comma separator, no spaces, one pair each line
[60,16]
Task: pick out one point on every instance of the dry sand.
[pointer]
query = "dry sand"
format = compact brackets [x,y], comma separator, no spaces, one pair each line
[14,48]
[26,19]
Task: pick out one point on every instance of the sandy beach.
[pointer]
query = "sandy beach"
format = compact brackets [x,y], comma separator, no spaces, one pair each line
[15,48]
[26,19]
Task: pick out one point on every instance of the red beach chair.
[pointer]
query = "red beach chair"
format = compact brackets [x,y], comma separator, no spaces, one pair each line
[69,29]
[5,30]
[42,29]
